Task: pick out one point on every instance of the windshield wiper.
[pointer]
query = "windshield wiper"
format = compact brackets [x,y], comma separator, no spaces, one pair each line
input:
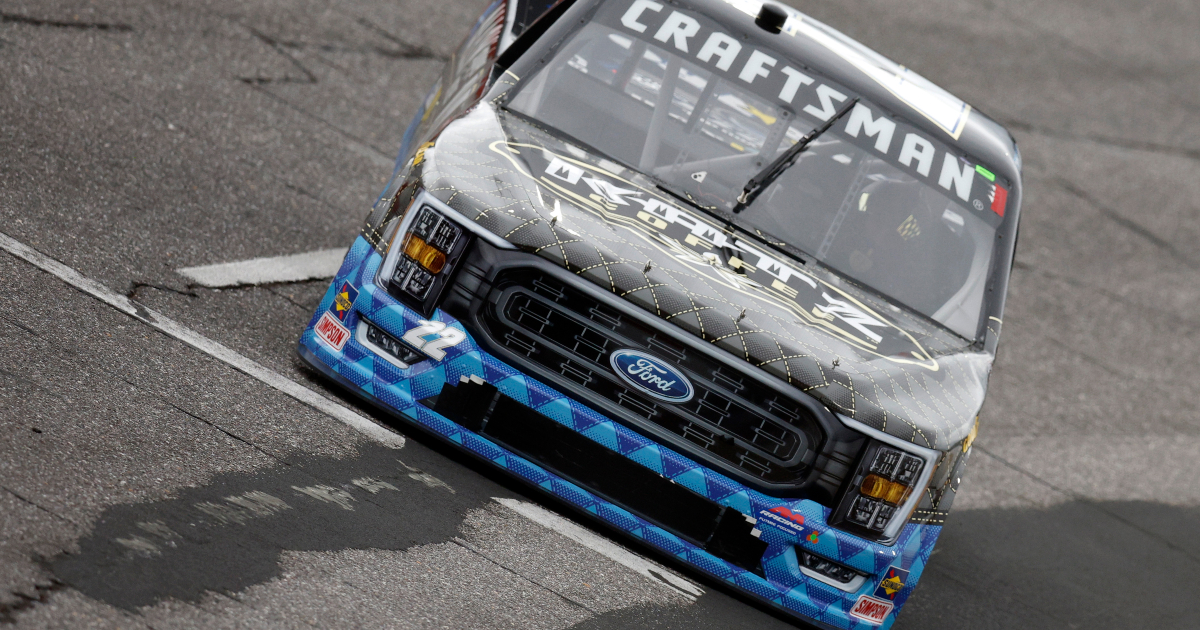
[763,178]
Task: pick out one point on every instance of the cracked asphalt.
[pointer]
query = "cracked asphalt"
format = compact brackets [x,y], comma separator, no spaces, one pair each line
[145,484]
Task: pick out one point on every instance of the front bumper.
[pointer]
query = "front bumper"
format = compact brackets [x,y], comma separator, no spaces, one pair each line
[780,580]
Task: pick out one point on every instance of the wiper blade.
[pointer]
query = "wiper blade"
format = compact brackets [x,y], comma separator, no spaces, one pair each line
[760,181]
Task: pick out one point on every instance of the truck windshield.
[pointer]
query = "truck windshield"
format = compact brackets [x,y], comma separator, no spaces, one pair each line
[885,204]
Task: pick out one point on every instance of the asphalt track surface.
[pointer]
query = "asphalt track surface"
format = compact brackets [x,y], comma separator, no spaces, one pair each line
[146,483]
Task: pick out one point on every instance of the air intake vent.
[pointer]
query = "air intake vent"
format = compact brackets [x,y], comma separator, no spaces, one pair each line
[732,422]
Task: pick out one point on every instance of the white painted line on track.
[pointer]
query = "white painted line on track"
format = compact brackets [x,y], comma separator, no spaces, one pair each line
[200,342]
[603,546]
[295,268]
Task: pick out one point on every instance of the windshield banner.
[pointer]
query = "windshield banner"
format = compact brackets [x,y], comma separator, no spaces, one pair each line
[699,40]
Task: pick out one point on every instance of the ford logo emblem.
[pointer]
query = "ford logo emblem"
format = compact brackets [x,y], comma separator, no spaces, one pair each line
[651,375]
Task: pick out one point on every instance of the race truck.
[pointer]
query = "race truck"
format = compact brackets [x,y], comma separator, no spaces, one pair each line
[708,271]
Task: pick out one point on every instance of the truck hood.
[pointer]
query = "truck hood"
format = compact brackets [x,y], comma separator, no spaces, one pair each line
[863,357]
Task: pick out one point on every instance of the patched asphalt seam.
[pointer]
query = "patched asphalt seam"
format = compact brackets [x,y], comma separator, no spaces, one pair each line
[1128,224]
[132,293]
[465,545]
[1058,570]
[302,191]
[229,534]
[33,384]
[9,611]
[16,18]
[281,46]
[1120,143]
[309,77]
[304,308]
[23,499]
[18,324]
[1142,307]
[328,124]
[1089,359]
[405,50]
[222,430]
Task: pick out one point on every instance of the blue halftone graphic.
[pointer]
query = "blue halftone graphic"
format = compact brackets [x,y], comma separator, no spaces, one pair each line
[780,580]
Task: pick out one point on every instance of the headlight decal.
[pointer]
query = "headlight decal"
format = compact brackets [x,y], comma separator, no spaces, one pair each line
[425,250]
[885,488]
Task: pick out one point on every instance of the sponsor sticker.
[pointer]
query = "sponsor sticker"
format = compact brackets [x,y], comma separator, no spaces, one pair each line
[891,583]
[784,519]
[420,154]
[331,331]
[343,300]
[871,610]
[999,197]
[703,42]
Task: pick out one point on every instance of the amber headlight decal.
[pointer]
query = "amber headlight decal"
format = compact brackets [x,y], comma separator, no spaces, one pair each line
[425,250]
[886,486]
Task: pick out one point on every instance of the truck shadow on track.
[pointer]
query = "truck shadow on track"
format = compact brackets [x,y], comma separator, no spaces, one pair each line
[229,534]
[1078,564]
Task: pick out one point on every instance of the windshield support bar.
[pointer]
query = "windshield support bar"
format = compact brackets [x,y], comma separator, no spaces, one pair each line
[759,182]
[662,108]
[701,105]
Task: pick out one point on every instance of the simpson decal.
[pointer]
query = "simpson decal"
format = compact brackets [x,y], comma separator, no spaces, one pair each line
[331,331]
[871,610]
[715,252]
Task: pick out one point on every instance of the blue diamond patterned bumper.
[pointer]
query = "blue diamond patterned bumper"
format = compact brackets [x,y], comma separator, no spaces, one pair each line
[782,583]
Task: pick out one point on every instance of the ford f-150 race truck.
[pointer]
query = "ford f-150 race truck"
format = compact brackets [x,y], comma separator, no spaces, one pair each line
[709,271]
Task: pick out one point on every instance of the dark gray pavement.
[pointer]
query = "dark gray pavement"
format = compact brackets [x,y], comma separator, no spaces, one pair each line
[137,138]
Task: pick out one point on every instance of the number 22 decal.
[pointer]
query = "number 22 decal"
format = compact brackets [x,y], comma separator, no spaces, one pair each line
[432,337]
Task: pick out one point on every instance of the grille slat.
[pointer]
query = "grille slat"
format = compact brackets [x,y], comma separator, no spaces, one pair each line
[591,345]
[731,419]
[635,403]
[540,317]
[763,434]
[753,463]
[699,436]
[664,348]
[583,376]
[783,410]
[521,345]
[610,320]
[711,411]
[731,383]
[549,290]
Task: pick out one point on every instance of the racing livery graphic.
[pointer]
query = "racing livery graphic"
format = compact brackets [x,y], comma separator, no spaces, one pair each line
[343,299]
[711,272]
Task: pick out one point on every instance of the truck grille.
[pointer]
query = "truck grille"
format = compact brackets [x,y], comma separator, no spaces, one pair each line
[732,422]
